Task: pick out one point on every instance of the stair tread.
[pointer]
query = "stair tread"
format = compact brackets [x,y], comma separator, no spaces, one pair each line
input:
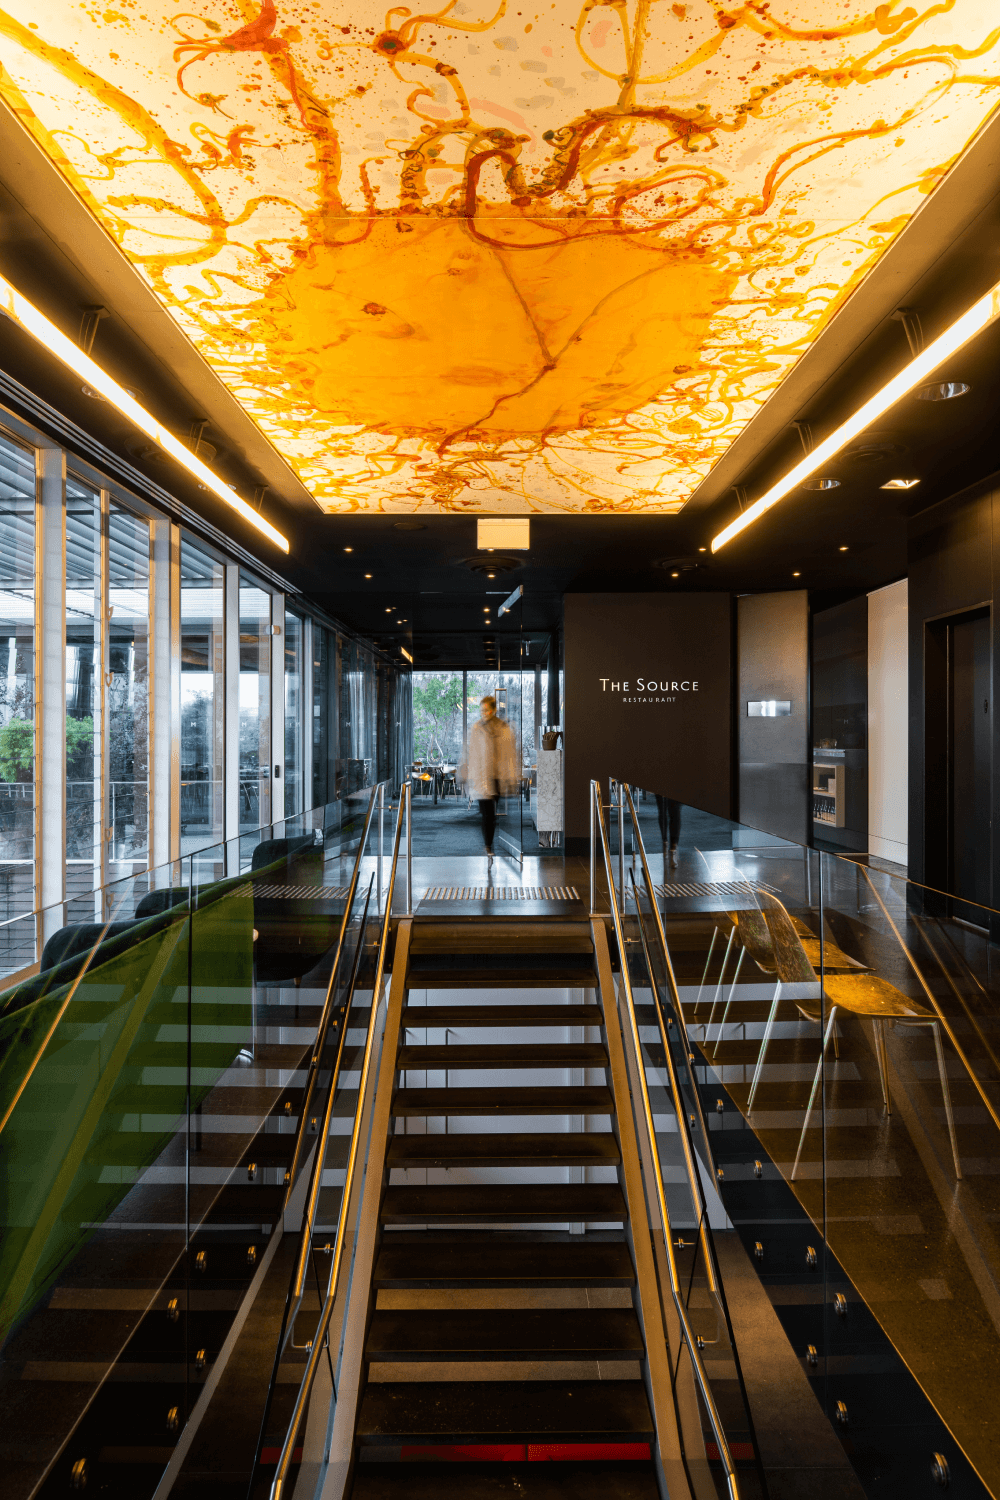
[498,1148]
[520,1055]
[557,977]
[501,937]
[607,1480]
[552,1014]
[528,1264]
[592,1100]
[475,1334]
[555,1203]
[487,1411]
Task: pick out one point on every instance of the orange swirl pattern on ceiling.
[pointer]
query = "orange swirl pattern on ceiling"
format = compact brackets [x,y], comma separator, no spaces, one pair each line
[544,258]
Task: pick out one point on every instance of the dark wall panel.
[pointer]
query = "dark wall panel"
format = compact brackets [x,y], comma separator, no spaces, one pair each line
[952,568]
[840,714]
[676,740]
[774,774]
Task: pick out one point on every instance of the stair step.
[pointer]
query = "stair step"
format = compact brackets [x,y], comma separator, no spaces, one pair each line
[482,1334]
[506,1203]
[509,936]
[488,976]
[503,1015]
[522,1055]
[458,1263]
[611,1479]
[496,1149]
[481,1411]
[526,1101]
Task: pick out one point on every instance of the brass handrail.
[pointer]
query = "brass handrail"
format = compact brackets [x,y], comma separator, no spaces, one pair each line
[675,1284]
[327,1012]
[322,1328]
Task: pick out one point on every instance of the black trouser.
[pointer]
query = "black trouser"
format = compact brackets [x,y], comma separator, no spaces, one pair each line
[668,813]
[488,813]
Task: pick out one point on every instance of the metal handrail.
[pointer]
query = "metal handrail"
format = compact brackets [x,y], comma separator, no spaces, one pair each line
[327,1013]
[323,1326]
[597,816]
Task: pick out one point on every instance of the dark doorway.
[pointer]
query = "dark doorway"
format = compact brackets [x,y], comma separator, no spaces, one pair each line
[958,790]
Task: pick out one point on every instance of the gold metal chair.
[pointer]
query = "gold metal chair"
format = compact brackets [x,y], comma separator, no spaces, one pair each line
[869,997]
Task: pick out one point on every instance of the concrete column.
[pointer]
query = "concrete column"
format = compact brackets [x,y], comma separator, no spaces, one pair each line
[50,689]
[161,726]
[231,771]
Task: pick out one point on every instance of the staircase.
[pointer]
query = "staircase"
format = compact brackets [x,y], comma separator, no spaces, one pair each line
[512,1337]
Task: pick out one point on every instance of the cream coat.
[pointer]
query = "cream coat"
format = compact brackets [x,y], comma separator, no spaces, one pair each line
[492,759]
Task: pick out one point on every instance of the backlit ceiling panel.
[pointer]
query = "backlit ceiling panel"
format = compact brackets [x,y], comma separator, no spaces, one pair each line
[526,257]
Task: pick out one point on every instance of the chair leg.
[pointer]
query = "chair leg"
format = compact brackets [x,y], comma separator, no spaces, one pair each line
[812,1096]
[878,1026]
[732,991]
[763,1047]
[711,949]
[718,987]
[946,1091]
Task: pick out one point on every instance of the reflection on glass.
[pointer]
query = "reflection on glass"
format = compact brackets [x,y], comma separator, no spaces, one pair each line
[293,714]
[255,706]
[202,697]
[17,700]
[322,720]
[128,692]
[83,698]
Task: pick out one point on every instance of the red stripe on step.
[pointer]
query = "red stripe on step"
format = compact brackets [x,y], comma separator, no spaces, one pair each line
[512,1453]
[738,1451]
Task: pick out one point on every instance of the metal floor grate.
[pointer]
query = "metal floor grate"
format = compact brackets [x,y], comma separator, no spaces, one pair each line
[502,893]
[718,888]
[303,892]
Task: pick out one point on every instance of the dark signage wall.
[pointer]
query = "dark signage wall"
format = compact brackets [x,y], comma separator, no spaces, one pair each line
[648,698]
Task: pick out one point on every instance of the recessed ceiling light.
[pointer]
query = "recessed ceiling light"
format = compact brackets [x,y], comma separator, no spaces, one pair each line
[899,484]
[965,327]
[675,575]
[368,575]
[388,611]
[796,575]
[822,484]
[702,549]
[491,575]
[945,390]
[348,549]
[843,549]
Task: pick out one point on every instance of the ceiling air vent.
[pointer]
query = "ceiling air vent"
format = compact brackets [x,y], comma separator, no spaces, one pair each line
[492,564]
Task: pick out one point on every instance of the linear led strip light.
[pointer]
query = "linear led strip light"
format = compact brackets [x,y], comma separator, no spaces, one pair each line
[979,316]
[32,321]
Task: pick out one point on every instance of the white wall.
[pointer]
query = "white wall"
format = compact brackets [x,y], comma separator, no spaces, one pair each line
[888,740]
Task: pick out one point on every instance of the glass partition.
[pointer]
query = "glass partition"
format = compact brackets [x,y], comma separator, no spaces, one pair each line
[842,1027]
[127,691]
[293,714]
[202,695]
[255,704]
[84,698]
[17,702]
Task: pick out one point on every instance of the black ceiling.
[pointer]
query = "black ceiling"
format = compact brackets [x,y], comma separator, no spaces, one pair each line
[424,593]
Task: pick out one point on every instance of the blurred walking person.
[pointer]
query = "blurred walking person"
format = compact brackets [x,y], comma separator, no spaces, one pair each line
[492,766]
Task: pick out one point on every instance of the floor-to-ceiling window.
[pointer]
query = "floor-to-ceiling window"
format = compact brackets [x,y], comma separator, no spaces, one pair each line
[323,720]
[293,714]
[84,616]
[128,692]
[17,698]
[202,705]
[255,705]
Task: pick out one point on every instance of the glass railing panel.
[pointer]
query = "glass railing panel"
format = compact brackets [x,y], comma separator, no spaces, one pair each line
[846,1021]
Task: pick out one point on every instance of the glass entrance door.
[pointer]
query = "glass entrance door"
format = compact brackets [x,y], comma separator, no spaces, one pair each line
[510,706]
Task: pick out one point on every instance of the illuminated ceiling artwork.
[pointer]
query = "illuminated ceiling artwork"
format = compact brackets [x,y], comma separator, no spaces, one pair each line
[495,258]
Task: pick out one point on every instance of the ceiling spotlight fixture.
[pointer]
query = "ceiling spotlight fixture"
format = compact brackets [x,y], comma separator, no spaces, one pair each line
[491,575]
[702,549]
[910,378]
[28,317]
[348,549]
[945,390]
[388,611]
[899,484]
[843,549]
[368,575]
[796,575]
[675,575]
[822,484]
